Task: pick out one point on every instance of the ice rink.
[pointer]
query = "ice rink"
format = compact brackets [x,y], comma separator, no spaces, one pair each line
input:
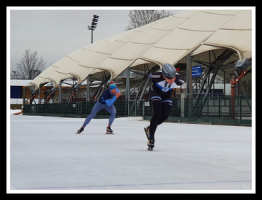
[47,155]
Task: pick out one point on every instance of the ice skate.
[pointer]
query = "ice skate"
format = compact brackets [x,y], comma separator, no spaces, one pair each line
[80,130]
[109,130]
[150,144]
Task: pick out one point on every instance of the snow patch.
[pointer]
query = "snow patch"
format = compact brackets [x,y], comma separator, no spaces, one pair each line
[130,118]
[14,111]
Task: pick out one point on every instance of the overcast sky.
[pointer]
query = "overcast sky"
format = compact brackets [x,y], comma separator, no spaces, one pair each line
[57,33]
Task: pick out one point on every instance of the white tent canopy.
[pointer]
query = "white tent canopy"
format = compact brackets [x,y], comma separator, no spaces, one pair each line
[164,41]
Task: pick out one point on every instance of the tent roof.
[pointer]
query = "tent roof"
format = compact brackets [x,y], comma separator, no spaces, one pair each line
[167,40]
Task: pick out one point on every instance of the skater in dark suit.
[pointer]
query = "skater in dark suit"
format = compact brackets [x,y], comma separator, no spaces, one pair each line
[161,97]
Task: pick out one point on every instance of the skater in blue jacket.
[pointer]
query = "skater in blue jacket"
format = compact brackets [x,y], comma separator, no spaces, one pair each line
[106,101]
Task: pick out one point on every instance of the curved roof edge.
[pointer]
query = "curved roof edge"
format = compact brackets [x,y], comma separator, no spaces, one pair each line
[165,40]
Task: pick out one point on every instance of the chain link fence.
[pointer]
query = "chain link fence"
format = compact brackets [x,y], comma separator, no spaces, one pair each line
[217,110]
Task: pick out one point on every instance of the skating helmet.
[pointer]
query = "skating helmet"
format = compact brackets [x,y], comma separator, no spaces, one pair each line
[112,86]
[169,71]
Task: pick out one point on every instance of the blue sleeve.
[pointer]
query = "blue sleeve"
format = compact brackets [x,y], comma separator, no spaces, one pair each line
[109,102]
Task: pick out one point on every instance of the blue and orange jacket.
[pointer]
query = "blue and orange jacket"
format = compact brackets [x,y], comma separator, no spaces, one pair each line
[107,97]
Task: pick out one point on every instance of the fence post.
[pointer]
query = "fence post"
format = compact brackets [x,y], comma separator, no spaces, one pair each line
[135,106]
[207,106]
[240,108]
[143,109]
[182,114]
[219,107]
[60,92]
[128,102]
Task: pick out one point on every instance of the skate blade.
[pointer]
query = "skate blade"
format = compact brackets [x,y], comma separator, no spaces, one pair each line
[109,133]
[146,133]
[150,148]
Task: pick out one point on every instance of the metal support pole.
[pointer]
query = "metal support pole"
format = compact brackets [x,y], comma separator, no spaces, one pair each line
[127,73]
[60,92]
[87,89]
[189,86]
[240,108]
[127,84]
[212,80]
[219,108]
[39,95]
[189,78]
[144,89]
[245,95]
[221,59]
[232,101]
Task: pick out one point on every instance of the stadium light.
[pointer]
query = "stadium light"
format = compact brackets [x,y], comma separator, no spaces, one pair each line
[93,26]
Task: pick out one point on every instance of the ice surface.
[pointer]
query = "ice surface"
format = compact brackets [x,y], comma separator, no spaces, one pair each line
[47,155]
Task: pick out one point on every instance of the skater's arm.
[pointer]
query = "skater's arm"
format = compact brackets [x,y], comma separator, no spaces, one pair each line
[179,80]
[155,77]
[109,102]
[117,93]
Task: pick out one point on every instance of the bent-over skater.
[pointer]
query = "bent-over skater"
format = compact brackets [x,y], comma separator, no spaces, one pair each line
[106,101]
[161,97]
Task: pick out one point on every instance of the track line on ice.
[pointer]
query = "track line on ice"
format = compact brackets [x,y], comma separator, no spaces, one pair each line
[124,185]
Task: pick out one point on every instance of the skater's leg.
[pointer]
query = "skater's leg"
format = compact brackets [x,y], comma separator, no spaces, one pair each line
[155,118]
[166,108]
[97,107]
[112,110]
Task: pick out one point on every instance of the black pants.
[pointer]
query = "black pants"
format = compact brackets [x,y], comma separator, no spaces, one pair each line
[161,113]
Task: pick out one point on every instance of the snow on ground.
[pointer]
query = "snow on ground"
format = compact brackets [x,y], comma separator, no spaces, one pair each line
[47,155]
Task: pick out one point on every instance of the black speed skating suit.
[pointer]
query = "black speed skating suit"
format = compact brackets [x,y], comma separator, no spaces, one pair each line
[161,97]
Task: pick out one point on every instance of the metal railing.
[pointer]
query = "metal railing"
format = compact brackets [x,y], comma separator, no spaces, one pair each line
[215,110]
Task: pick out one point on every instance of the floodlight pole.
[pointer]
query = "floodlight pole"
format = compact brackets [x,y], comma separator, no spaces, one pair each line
[93,26]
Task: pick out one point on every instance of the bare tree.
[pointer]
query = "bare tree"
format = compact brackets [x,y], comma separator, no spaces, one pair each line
[29,66]
[142,17]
